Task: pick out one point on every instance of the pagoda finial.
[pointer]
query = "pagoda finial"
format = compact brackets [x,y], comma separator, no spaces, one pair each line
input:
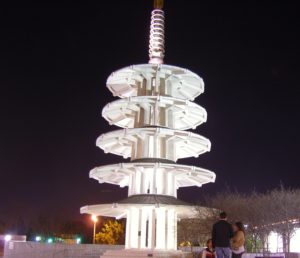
[157,34]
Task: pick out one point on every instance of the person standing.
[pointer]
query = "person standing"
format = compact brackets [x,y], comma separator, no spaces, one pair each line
[222,233]
[238,240]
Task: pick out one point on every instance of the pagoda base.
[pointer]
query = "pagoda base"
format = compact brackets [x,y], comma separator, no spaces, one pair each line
[135,253]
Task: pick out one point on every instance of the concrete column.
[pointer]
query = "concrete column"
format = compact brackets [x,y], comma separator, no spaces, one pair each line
[151,229]
[175,228]
[164,182]
[148,183]
[137,182]
[169,183]
[133,181]
[127,237]
[146,116]
[142,186]
[151,147]
[130,186]
[159,182]
[174,190]
[171,245]
[134,228]
[153,186]
[160,228]
[144,217]
[139,221]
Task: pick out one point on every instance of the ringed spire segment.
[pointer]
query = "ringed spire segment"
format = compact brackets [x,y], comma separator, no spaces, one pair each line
[157,34]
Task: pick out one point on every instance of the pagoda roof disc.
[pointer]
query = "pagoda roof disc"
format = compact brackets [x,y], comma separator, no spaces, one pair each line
[170,112]
[185,176]
[174,144]
[152,199]
[169,80]
[119,210]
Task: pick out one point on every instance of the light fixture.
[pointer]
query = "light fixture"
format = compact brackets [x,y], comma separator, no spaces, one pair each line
[7,238]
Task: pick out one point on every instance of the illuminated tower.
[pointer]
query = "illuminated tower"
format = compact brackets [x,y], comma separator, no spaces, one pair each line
[154,110]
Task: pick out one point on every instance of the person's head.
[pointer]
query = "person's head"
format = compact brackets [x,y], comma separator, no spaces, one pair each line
[238,226]
[209,244]
[223,215]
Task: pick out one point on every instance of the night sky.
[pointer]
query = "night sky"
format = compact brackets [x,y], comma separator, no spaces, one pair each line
[54,61]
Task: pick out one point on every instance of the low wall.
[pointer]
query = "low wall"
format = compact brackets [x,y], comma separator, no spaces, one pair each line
[43,250]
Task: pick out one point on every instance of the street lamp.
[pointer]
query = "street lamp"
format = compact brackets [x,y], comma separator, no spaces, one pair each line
[94,219]
[7,238]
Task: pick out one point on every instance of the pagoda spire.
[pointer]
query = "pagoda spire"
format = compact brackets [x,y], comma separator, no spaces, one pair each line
[157,34]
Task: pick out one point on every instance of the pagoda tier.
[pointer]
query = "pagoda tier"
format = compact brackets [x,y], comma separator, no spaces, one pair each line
[151,220]
[160,111]
[153,142]
[152,178]
[153,80]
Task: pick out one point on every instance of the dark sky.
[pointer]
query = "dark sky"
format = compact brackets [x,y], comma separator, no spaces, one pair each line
[54,61]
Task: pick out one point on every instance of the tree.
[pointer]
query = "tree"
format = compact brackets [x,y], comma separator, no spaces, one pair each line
[196,231]
[262,213]
[112,233]
[258,221]
[72,227]
[285,215]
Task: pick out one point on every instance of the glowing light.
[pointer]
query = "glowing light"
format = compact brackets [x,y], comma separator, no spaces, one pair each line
[94,218]
[295,247]
[38,238]
[50,241]
[274,242]
[78,240]
[7,237]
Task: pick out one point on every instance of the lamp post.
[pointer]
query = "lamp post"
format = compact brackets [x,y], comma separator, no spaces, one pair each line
[94,219]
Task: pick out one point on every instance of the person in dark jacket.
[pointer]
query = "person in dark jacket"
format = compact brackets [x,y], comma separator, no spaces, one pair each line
[221,234]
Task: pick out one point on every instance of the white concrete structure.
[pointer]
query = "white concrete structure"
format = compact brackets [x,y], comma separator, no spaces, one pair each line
[154,109]
[275,243]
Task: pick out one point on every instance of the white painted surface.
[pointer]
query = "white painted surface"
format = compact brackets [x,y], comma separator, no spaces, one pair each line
[152,80]
[175,176]
[150,142]
[276,244]
[161,111]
